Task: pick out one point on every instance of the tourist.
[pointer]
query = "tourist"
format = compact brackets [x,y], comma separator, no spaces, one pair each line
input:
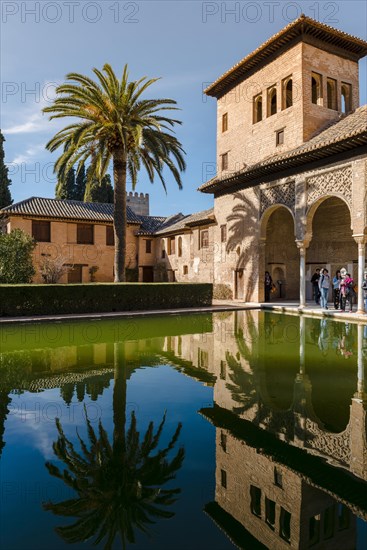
[347,292]
[315,285]
[268,282]
[324,284]
[336,289]
[364,286]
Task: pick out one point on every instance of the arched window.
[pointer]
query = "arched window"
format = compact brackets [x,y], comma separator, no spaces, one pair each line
[180,246]
[331,94]
[272,101]
[346,98]
[258,108]
[316,89]
[287,92]
[163,249]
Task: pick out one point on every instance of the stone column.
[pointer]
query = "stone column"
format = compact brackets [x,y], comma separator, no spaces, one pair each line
[302,245]
[361,384]
[361,241]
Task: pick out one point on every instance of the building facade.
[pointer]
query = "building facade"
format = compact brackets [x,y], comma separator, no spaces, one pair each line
[292,164]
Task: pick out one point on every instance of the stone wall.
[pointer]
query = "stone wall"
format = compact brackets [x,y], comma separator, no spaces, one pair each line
[64,245]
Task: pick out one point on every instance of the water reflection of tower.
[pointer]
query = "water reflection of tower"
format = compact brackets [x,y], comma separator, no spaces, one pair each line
[274,503]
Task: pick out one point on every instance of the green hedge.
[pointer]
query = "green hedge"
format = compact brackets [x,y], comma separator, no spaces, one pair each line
[18,300]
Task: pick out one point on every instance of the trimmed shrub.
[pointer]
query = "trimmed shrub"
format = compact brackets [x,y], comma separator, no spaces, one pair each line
[18,300]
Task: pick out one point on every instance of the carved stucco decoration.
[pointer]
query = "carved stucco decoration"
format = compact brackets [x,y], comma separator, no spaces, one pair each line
[335,182]
[337,446]
[284,194]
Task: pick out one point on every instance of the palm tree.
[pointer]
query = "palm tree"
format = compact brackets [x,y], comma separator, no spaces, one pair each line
[118,485]
[115,124]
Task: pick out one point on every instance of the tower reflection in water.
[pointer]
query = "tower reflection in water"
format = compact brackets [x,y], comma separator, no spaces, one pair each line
[290,416]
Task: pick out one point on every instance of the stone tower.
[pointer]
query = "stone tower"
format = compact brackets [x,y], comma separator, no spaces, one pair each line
[139,203]
[283,93]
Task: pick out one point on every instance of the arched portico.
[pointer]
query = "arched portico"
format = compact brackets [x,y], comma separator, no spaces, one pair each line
[329,241]
[331,244]
[277,233]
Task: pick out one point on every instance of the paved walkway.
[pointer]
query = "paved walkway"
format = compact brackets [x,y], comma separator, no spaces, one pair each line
[311,310]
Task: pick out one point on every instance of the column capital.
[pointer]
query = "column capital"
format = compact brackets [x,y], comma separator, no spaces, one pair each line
[360,239]
[302,244]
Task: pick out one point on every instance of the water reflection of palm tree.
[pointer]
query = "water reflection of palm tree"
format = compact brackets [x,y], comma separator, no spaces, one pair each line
[118,484]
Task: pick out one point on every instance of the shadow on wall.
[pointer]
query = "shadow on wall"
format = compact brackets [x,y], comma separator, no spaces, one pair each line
[243,226]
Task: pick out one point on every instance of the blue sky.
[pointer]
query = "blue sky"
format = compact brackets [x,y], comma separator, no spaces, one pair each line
[186,43]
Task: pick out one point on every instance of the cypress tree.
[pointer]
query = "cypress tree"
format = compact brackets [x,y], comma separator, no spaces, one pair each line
[65,188]
[80,183]
[5,196]
[99,190]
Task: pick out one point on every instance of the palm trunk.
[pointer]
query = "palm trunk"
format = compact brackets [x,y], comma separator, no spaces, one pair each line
[119,398]
[119,213]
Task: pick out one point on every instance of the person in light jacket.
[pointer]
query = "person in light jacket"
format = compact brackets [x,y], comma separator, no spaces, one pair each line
[336,289]
[324,285]
[364,286]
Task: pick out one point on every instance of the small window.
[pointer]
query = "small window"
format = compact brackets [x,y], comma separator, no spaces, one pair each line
[171,246]
[285,524]
[185,270]
[346,97]
[314,529]
[329,515]
[179,243]
[223,478]
[343,517]
[148,246]
[257,108]
[85,233]
[203,359]
[331,94]
[163,250]
[316,88]
[287,92]
[204,238]
[223,370]
[278,478]
[225,122]
[255,494]
[41,231]
[272,101]
[223,441]
[110,236]
[225,161]
[270,512]
[279,137]
[223,233]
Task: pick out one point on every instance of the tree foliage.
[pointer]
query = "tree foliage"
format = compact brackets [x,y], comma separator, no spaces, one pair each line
[80,184]
[16,265]
[98,190]
[5,195]
[114,124]
[65,187]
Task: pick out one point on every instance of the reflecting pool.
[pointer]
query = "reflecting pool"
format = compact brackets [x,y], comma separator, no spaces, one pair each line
[241,429]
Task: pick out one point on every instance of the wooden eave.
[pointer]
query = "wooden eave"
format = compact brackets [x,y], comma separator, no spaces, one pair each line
[302,29]
[246,178]
[8,215]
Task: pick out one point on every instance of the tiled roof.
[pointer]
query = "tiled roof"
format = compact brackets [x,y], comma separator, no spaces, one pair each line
[303,27]
[188,221]
[149,224]
[66,209]
[342,135]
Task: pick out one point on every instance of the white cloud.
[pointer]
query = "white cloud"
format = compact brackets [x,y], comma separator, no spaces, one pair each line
[29,154]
